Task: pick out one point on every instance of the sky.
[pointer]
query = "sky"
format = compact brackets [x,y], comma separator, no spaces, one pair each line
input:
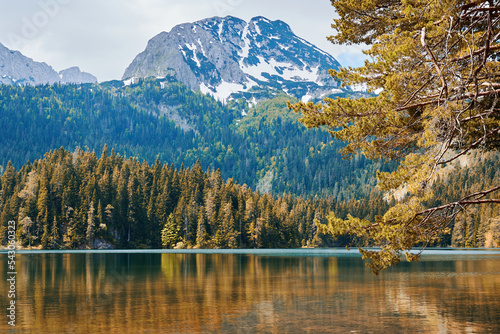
[102,37]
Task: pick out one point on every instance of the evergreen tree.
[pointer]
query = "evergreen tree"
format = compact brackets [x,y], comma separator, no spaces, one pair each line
[439,100]
[91,225]
[177,217]
[201,231]
[108,213]
[55,236]
[26,224]
[226,236]
[170,235]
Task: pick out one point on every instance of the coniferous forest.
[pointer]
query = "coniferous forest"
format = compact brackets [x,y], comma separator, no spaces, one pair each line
[176,168]
[75,200]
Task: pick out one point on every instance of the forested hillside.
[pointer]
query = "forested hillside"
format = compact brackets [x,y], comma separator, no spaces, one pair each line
[75,200]
[478,226]
[268,148]
[71,200]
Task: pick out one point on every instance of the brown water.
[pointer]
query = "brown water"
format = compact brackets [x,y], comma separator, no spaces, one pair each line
[278,292]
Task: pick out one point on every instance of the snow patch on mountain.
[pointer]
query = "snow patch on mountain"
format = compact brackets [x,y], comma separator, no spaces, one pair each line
[224,90]
[288,71]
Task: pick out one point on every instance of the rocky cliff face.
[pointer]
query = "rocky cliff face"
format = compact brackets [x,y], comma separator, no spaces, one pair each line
[17,69]
[74,75]
[228,57]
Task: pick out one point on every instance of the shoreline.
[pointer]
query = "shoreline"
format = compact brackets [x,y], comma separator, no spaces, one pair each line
[260,251]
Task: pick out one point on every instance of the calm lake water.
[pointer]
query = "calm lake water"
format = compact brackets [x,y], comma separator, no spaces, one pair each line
[297,291]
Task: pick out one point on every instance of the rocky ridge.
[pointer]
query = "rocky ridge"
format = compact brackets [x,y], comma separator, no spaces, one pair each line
[229,58]
[17,69]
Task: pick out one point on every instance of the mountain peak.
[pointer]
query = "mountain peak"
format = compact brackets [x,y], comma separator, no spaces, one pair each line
[17,69]
[229,57]
[75,75]
[262,21]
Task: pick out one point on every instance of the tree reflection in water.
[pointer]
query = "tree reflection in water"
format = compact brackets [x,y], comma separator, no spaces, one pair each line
[231,293]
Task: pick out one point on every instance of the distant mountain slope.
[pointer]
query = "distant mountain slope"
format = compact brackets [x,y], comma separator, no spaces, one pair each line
[227,57]
[74,75]
[17,69]
[268,149]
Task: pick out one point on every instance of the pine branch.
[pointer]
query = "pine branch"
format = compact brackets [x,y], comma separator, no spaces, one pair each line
[455,98]
[465,201]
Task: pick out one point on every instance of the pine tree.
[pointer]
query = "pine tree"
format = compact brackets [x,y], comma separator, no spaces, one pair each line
[26,224]
[170,235]
[226,236]
[43,207]
[438,100]
[100,216]
[135,216]
[55,237]
[108,213]
[201,231]
[90,225]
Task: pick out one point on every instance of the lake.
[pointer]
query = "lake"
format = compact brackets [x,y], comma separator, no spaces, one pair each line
[263,291]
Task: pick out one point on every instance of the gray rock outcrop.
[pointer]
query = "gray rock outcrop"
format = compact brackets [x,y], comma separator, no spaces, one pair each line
[74,75]
[17,69]
[227,57]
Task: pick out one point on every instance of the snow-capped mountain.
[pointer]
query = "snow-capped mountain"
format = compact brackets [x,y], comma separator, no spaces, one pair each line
[228,57]
[17,69]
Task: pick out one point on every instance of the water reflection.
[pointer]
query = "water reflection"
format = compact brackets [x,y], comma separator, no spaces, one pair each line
[213,293]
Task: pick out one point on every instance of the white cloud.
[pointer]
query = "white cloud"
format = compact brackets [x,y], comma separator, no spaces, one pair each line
[103,37]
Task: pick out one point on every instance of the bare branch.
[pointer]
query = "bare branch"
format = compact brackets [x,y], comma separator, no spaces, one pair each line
[471,146]
[436,65]
[456,98]
[475,53]
[485,9]
[472,4]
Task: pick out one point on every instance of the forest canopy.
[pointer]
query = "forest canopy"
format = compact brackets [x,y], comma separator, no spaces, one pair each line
[437,67]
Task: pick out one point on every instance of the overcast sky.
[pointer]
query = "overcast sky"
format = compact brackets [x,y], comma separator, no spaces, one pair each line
[103,36]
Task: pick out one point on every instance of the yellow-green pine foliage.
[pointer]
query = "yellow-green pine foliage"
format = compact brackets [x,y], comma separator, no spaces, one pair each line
[435,65]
